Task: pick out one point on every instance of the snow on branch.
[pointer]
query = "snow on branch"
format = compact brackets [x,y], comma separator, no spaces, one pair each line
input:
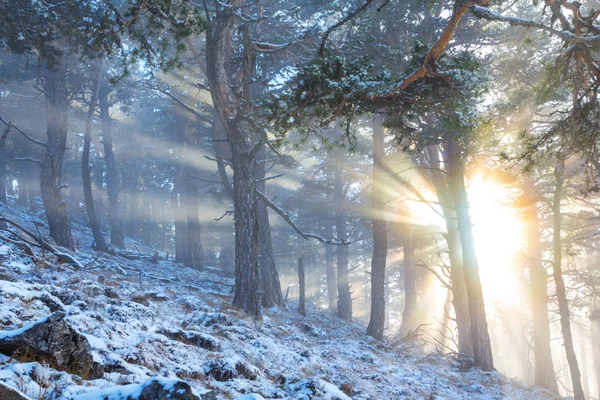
[487,14]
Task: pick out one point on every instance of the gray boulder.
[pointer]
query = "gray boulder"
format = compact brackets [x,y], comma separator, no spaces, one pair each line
[8,393]
[54,340]
[152,389]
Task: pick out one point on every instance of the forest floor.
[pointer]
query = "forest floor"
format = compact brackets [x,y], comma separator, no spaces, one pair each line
[146,320]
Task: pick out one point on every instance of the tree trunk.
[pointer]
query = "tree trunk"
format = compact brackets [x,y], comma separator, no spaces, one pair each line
[330,269]
[301,286]
[378,260]
[344,303]
[86,167]
[233,115]
[55,88]
[271,287]
[113,173]
[193,255]
[3,175]
[247,274]
[482,349]
[595,324]
[563,305]
[545,375]
[410,283]
[460,301]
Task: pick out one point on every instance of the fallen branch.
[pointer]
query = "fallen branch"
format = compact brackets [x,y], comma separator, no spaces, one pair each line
[62,256]
[291,223]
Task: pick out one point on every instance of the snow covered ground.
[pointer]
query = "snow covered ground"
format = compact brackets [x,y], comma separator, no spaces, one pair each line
[168,322]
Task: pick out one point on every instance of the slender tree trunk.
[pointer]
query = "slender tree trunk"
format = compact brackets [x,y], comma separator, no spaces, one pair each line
[482,349]
[86,167]
[378,260]
[595,324]
[23,192]
[561,294]
[545,375]
[330,269]
[55,89]
[301,286]
[271,287]
[113,173]
[3,175]
[344,304]
[460,301]
[193,255]
[410,283]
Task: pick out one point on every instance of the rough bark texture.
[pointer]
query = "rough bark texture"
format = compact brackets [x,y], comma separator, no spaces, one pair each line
[410,283]
[232,114]
[344,302]
[86,167]
[482,349]
[301,286]
[545,375]
[460,301]
[330,270]
[55,88]
[378,260]
[113,173]
[561,295]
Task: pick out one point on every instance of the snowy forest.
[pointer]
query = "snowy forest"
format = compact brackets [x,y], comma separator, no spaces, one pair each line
[285,199]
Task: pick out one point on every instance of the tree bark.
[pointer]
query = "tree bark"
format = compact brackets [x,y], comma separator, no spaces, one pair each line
[410,283]
[545,375]
[86,167]
[378,260]
[114,182]
[271,287]
[482,349]
[301,286]
[232,112]
[460,301]
[344,303]
[561,295]
[55,88]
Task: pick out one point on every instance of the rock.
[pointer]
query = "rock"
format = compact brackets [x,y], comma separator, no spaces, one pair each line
[192,338]
[152,389]
[8,393]
[251,396]
[225,369]
[53,340]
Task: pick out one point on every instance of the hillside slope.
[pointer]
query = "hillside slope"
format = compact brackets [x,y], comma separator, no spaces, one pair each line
[146,320]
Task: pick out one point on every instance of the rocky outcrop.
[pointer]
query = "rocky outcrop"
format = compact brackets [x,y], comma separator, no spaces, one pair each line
[152,389]
[192,338]
[8,393]
[53,340]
